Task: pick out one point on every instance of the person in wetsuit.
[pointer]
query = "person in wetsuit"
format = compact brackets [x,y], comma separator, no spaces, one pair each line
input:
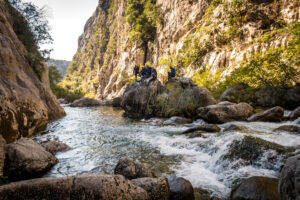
[172,73]
[136,71]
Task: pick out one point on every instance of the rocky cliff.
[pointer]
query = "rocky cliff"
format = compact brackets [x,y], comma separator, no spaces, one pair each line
[26,101]
[61,65]
[203,39]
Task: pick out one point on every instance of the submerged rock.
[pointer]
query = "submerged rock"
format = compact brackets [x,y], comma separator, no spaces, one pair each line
[295,114]
[138,98]
[289,184]
[211,128]
[26,159]
[289,128]
[2,154]
[238,93]
[55,147]
[157,188]
[89,187]
[222,113]
[86,102]
[177,120]
[257,188]
[181,189]
[272,115]
[181,97]
[132,170]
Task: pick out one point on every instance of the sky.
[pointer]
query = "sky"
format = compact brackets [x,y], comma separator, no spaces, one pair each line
[67,19]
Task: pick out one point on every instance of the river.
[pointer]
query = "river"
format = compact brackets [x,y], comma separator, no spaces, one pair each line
[100,136]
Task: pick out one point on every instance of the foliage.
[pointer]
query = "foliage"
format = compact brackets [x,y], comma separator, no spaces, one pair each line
[32,28]
[54,75]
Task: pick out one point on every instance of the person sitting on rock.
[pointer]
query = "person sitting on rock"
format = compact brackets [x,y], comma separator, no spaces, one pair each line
[136,71]
[143,73]
[172,74]
[153,76]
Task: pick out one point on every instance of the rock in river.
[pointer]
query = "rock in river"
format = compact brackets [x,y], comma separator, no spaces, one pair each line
[289,184]
[181,189]
[211,128]
[295,114]
[55,147]
[86,102]
[289,128]
[82,187]
[26,159]
[272,115]
[238,93]
[177,120]
[132,170]
[225,112]
[157,188]
[257,188]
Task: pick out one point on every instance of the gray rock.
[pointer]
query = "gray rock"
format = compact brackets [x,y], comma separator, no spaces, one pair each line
[292,98]
[177,120]
[2,154]
[116,102]
[86,102]
[270,96]
[211,128]
[289,184]
[222,113]
[232,127]
[26,159]
[181,189]
[83,187]
[295,114]
[272,115]
[257,188]
[238,93]
[289,128]
[62,101]
[157,188]
[55,147]
[137,98]
[132,170]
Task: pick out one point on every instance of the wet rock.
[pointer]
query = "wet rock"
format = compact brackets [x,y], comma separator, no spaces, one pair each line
[289,184]
[295,114]
[132,170]
[2,154]
[116,102]
[92,187]
[201,194]
[138,98]
[272,115]
[297,121]
[232,127]
[62,101]
[181,189]
[211,128]
[238,93]
[222,113]
[292,98]
[196,134]
[177,120]
[289,128]
[26,159]
[155,121]
[86,102]
[157,188]
[257,188]
[251,150]
[55,147]
[181,97]
[270,96]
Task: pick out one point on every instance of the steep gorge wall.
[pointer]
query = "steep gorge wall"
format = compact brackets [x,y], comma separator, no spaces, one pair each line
[26,102]
[226,32]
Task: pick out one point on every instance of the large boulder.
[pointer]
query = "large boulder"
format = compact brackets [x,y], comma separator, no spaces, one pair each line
[138,98]
[181,189]
[238,93]
[116,102]
[289,184]
[295,114]
[55,147]
[157,188]
[26,159]
[83,187]
[86,102]
[132,170]
[272,115]
[225,112]
[211,128]
[2,154]
[181,97]
[257,188]
[270,96]
[292,98]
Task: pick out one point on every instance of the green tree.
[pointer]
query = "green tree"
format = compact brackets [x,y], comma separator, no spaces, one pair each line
[54,75]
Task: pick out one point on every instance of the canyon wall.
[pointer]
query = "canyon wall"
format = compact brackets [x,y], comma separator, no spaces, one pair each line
[26,100]
[196,35]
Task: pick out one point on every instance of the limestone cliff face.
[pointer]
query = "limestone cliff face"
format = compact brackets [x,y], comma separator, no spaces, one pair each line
[26,102]
[105,58]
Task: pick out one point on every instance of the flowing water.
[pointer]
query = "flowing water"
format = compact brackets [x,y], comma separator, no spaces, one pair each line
[100,136]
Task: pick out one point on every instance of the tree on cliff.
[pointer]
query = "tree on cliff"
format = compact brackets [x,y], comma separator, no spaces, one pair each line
[32,28]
